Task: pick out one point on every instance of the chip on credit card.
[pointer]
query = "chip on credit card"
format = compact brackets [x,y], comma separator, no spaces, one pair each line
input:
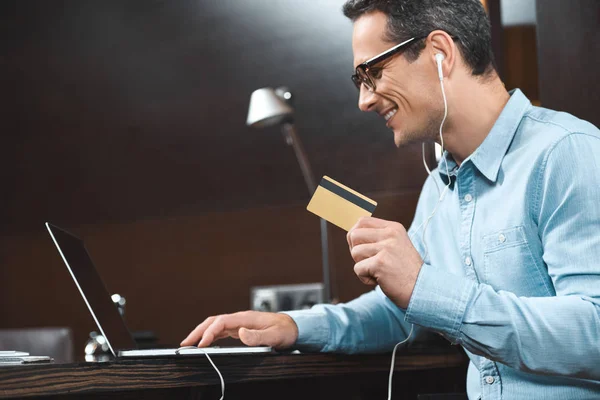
[339,204]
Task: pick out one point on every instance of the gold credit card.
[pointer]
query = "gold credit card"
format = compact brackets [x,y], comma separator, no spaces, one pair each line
[339,204]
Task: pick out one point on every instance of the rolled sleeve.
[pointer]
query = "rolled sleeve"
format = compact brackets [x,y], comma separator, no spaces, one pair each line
[439,301]
[368,324]
[313,329]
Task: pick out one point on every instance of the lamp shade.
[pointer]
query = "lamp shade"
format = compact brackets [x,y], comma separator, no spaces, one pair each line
[267,108]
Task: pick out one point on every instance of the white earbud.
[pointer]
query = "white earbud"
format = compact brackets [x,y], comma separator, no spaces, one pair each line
[439,57]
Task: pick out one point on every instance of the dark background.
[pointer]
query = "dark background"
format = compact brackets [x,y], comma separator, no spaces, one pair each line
[122,110]
[124,122]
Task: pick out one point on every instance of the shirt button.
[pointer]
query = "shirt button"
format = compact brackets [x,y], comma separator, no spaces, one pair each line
[490,379]
[502,238]
[468,198]
[468,261]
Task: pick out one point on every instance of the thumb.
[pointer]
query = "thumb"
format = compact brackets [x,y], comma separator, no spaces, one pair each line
[254,337]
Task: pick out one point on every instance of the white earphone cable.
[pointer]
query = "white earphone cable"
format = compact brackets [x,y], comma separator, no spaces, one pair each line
[426,222]
[394,361]
[441,195]
[178,351]
[220,376]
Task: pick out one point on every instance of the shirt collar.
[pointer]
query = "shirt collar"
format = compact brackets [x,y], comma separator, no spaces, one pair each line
[490,153]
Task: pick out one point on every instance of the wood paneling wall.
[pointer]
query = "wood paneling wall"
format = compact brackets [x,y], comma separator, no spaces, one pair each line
[568,37]
[119,111]
[124,123]
[175,272]
[520,60]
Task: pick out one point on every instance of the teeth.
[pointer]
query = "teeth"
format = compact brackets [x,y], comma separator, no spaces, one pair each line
[389,115]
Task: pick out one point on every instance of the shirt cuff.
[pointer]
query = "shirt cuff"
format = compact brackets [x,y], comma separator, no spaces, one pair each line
[313,329]
[439,301]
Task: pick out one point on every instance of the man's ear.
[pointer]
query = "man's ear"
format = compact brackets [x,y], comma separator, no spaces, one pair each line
[441,49]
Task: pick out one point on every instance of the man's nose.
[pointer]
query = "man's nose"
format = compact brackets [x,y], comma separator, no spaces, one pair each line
[366,99]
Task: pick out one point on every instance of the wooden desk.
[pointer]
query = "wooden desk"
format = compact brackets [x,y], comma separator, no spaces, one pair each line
[276,376]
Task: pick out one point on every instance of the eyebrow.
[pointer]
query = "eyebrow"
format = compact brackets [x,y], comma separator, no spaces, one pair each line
[374,58]
[362,61]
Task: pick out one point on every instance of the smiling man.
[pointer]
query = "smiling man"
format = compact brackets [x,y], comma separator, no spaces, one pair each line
[503,255]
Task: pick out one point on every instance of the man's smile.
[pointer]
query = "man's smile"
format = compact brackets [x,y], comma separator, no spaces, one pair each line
[388,115]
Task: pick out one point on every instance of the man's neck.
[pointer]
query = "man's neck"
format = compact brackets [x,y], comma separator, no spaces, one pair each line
[473,108]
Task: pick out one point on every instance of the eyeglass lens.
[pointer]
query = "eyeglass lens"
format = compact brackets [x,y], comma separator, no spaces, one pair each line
[361,77]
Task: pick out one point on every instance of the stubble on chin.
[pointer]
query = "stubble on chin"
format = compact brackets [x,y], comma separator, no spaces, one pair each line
[428,133]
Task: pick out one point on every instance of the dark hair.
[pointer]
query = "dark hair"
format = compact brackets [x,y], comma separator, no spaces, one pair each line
[466,20]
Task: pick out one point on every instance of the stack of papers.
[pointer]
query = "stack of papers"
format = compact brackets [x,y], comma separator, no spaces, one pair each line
[13,357]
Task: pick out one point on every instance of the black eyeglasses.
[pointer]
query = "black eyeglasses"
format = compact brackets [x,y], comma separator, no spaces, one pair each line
[362,75]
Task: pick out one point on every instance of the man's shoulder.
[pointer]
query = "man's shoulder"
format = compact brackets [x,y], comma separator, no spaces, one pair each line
[547,139]
[549,126]
[541,130]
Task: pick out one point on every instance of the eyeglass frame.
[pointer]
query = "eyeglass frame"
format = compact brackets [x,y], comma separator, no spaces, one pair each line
[365,66]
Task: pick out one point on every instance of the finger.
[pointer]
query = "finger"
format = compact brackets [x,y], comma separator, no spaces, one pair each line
[367,235]
[229,324]
[265,337]
[251,337]
[371,222]
[210,334]
[197,333]
[348,239]
[227,333]
[363,251]
[358,224]
[363,270]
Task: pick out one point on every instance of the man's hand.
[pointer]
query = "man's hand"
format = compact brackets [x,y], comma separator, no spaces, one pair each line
[385,256]
[253,328]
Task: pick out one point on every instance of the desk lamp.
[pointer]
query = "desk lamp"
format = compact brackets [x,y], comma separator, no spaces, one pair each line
[270,107]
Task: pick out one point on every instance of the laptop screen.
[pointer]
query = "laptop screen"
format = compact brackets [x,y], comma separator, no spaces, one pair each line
[90,285]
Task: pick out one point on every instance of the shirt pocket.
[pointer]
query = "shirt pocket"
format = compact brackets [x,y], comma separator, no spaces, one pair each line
[508,264]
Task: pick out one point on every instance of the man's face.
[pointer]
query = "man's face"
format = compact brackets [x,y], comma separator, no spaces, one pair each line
[407,95]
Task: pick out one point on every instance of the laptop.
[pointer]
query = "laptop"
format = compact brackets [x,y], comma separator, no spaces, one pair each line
[105,312]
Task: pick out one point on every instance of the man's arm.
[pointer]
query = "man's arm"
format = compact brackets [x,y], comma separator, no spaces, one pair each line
[549,335]
[371,323]
[368,324]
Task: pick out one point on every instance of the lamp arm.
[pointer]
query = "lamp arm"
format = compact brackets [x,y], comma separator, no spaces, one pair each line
[292,139]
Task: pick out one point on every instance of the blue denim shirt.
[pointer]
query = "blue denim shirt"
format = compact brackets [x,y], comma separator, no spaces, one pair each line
[512,271]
